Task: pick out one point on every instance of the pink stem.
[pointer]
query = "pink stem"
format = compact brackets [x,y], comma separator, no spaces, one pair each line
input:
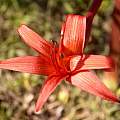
[94,7]
[90,15]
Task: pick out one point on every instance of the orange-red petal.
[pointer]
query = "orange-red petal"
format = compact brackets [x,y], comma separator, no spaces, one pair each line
[34,40]
[89,82]
[28,64]
[73,32]
[87,62]
[49,86]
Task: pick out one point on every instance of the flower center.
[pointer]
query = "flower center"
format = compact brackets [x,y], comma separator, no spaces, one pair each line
[57,60]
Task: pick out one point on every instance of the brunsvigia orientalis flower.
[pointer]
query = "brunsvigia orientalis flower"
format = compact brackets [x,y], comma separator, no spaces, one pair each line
[63,61]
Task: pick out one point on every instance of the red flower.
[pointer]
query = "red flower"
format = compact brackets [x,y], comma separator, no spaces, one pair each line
[66,61]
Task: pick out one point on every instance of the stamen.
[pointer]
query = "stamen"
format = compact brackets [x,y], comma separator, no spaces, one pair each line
[54,57]
[54,43]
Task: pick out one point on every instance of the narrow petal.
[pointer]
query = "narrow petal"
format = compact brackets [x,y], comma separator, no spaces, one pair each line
[29,64]
[89,82]
[49,86]
[73,32]
[87,62]
[34,40]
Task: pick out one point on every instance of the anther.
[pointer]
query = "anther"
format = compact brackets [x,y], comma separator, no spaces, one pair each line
[54,42]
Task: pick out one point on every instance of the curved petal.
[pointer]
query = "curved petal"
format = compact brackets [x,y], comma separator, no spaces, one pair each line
[87,62]
[34,40]
[89,82]
[73,32]
[49,86]
[29,64]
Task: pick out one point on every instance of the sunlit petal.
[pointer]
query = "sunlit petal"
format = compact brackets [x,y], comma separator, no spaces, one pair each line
[49,86]
[89,82]
[29,64]
[34,40]
[73,32]
[87,62]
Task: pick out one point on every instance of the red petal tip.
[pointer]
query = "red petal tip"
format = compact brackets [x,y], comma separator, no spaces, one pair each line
[37,110]
[22,26]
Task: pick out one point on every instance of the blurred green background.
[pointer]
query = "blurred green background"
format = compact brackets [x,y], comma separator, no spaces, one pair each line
[19,91]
